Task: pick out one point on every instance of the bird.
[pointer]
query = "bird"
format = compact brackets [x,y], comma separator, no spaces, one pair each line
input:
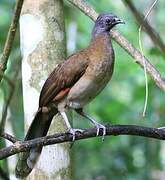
[73,84]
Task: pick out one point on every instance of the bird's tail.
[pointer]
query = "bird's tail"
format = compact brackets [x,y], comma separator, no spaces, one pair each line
[38,128]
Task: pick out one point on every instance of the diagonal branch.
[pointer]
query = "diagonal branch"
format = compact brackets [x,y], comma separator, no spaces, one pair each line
[147,27]
[157,133]
[9,137]
[10,37]
[139,58]
[125,44]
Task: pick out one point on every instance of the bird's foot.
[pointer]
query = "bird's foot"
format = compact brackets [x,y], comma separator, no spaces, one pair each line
[73,132]
[98,127]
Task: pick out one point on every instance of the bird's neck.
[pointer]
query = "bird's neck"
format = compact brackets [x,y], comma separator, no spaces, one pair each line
[97,31]
[100,36]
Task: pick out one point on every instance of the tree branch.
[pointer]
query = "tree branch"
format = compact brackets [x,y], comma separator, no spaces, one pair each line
[149,30]
[9,137]
[10,37]
[125,44]
[18,146]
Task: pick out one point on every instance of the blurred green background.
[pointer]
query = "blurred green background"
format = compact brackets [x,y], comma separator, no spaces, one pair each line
[121,102]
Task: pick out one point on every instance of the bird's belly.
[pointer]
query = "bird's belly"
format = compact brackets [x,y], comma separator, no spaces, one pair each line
[87,89]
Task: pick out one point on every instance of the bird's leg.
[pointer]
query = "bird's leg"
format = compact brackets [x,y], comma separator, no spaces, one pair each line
[97,125]
[71,130]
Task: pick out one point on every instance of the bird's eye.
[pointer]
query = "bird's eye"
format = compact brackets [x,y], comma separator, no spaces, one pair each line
[108,21]
[114,20]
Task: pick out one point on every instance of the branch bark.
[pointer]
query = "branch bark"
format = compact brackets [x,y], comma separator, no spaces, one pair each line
[125,44]
[10,37]
[18,146]
[9,137]
[146,26]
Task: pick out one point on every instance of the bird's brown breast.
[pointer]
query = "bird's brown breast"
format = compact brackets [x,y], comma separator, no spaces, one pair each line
[97,74]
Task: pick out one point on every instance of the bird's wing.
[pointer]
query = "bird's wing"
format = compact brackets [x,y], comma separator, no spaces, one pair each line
[65,75]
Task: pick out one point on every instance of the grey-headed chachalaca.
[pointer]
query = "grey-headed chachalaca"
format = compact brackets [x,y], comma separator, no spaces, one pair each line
[73,84]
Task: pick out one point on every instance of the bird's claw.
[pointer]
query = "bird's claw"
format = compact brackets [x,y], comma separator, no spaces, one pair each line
[73,132]
[98,127]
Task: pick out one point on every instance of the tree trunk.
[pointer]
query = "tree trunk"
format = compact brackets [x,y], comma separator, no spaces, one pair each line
[43,47]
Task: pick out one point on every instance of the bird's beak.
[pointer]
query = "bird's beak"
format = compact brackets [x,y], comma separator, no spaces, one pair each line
[119,21]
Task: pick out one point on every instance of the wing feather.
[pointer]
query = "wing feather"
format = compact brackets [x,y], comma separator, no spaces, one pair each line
[65,75]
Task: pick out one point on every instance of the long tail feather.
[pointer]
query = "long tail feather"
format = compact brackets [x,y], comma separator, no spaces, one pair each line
[38,128]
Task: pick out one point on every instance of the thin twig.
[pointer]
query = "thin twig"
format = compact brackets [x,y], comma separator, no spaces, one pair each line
[5,107]
[144,62]
[7,102]
[147,27]
[2,75]
[10,37]
[88,133]
[124,43]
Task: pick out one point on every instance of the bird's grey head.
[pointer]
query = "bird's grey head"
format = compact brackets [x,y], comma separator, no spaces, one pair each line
[105,22]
